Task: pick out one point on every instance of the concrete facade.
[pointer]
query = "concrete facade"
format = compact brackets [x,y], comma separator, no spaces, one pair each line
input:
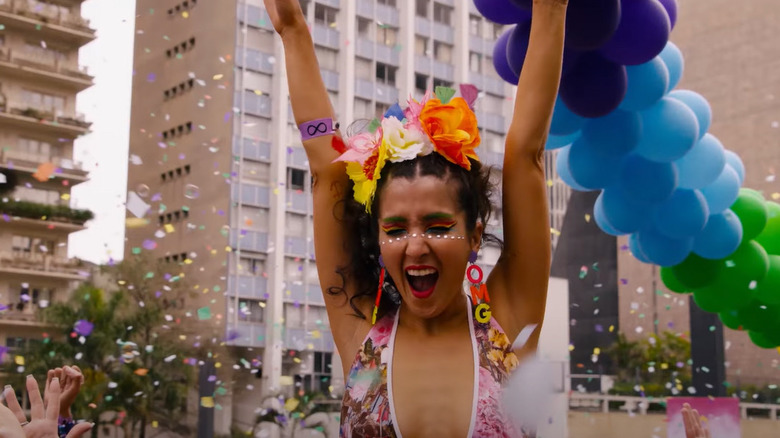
[731,54]
[40,77]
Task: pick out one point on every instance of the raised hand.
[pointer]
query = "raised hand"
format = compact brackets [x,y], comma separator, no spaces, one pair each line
[694,428]
[285,14]
[43,421]
[71,380]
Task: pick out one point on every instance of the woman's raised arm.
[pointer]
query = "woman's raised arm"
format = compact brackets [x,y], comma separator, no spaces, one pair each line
[521,274]
[310,102]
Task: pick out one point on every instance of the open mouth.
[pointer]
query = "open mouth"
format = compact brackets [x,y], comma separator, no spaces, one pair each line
[422,280]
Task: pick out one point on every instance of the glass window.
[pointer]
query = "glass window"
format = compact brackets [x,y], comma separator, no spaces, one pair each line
[387,35]
[387,2]
[250,310]
[475,62]
[385,73]
[327,58]
[250,266]
[442,52]
[475,21]
[421,8]
[364,27]
[295,178]
[420,45]
[442,14]
[420,83]
[441,83]
[39,196]
[363,68]
[325,15]
[362,108]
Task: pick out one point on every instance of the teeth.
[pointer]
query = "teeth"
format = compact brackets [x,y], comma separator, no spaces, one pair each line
[420,272]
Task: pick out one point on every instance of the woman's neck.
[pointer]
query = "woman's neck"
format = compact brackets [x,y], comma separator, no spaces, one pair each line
[453,318]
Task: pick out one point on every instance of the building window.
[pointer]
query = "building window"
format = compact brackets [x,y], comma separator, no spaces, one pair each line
[387,2]
[387,35]
[36,149]
[441,83]
[420,83]
[42,101]
[296,178]
[442,52]
[380,110]
[250,310]
[421,8]
[385,73]
[31,245]
[40,196]
[323,371]
[475,62]
[364,27]
[250,266]
[475,22]
[325,15]
[442,14]
[420,45]
[498,29]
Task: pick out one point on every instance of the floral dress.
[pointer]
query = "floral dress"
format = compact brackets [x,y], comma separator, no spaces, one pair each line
[366,409]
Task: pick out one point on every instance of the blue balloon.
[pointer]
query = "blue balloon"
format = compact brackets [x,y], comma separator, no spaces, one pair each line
[702,164]
[590,24]
[559,141]
[647,84]
[623,213]
[684,214]
[562,167]
[601,219]
[591,167]
[720,238]
[671,10]
[648,181]
[699,105]
[500,62]
[670,131]
[502,11]
[594,87]
[565,122]
[642,34]
[662,250]
[517,46]
[722,193]
[673,58]
[636,251]
[735,162]
[617,133]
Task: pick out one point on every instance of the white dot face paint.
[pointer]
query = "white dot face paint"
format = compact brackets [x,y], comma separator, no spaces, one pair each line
[420,236]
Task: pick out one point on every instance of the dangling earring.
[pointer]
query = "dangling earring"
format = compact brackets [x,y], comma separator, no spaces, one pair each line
[479,290]
[379,291]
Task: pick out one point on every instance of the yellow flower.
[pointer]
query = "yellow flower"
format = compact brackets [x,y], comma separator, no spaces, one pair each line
[496,356]
[366,176]
[510,361]
[498,338]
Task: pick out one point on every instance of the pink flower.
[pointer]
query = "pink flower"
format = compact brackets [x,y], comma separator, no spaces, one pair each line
[363,383]
[380,334]
[360,147]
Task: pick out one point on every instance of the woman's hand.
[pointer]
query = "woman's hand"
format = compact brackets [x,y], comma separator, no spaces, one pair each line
[43,421]
[9,426]
[285,14]
[71,380]
[693,425]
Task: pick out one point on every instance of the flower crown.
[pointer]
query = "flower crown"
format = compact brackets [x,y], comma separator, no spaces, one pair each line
[442,124]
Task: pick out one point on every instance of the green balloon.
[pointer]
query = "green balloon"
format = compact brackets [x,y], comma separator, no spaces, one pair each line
[770,237]
[759,316]
[743,270]
[752,192]
[763,340]
[730,320]
[714,299]
[696,272]
[752,212]
[671,282]
[768,290]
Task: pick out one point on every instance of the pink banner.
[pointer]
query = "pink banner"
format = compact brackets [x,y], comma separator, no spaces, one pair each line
[722,416]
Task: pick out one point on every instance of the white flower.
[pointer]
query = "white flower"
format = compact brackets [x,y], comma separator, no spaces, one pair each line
[403,143]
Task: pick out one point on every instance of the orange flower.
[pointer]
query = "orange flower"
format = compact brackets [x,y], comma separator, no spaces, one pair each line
[452,128]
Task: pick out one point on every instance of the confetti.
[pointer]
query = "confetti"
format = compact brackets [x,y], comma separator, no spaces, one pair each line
[44,172]
[204,313]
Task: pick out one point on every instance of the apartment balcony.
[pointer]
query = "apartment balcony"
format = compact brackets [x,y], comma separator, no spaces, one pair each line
[31,215]
[55,72]
[42,266]
[18,15]
[20,161]
[253,334]
[23,117]
[30,316]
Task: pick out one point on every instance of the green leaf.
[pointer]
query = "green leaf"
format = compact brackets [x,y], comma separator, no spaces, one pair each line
[445,94]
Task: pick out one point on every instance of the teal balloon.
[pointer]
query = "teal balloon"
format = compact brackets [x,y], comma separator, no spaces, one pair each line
[671,282]
[729,319]
[699,105]
[647,84]
[636,251]
[662,250]
[591,167]
[722,192]
[768,289]
[770,236]
[683,215]
[743,270]
[601,219]
[670,130]
[625,213]
[616,134]
[720,237]
[752,212]
[559,141]
[733,160]
[562,167]
[763,340]
[675,63]
[646,180]
[703,164]
[564,121]
[697,272]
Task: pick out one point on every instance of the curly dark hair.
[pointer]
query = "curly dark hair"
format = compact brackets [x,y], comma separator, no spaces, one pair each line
[475,193]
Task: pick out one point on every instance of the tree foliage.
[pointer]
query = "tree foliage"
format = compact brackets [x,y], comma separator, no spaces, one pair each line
[662,361]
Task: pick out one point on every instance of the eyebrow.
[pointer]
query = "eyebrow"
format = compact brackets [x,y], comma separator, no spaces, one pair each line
[428,217]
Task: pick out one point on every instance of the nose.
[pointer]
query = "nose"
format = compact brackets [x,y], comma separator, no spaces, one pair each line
[417,246]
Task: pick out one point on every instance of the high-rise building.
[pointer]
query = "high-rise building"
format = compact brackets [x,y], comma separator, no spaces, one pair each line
[218,169]
[39,80]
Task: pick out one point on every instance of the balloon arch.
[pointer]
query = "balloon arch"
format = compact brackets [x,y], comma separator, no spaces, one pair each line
[621,127]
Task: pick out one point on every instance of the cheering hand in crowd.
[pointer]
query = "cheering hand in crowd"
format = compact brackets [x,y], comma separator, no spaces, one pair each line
[285,14]
[694,428]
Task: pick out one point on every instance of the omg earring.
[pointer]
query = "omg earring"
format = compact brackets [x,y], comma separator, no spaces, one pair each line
[479,292]
[379,291]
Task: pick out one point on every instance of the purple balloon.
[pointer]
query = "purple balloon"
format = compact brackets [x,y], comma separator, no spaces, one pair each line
[591,23]
[502,11]
[500,62]
[671,10]
[643,33]
[594,87]
[517,46]
[525,4]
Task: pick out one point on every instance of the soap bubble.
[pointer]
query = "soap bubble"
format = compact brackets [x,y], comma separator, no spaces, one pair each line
[191,191]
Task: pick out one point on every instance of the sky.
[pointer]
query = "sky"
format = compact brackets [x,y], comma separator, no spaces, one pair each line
[104,152]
